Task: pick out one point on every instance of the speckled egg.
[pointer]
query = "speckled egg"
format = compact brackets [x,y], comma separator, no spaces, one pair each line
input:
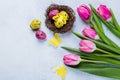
[40,35]
[35,24]
[53,13]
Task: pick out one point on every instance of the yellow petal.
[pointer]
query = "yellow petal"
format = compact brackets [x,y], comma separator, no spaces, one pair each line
[61,71]
[57,37]
[55,41]
[64,74]
[56,68]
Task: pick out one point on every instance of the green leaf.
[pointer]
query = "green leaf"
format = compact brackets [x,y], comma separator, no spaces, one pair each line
[115,23]
[110,26]
[77,51]
[95,56]
[98,23]
[99,70]
[101,33]
[111,56]
[99,44]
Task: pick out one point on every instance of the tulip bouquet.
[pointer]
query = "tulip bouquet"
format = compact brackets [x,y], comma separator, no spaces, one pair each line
[97,53]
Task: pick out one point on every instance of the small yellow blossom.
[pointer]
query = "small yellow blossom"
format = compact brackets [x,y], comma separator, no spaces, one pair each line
[61,71]
[55,41]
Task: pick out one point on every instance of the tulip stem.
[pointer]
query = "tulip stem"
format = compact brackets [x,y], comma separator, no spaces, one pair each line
[101,50]
[110,54]
[105,55]
[84,60]
[98,28]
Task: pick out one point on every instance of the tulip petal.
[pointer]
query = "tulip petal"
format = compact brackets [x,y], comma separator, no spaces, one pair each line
[99,44]
[104,12]
[84,12]
[71,59]
[87,46]
[91,33]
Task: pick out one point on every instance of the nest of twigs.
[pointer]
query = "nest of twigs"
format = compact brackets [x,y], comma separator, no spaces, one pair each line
[50,23]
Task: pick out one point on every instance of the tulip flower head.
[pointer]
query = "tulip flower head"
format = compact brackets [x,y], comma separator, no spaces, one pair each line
[91,33]
[104,12]
[71,59]
[87,46]
[84,12]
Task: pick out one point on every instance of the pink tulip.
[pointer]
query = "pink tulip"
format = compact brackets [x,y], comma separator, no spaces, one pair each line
[84,12]
[104,12]
[71,59]
[53,13]
[40,35]
[91,33]
[87,46]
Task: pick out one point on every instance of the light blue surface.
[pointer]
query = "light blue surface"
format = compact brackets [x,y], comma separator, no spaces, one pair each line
[22,56]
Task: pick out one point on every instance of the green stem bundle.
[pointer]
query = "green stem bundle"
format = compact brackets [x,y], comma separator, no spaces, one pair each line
[99,44]
[110,27]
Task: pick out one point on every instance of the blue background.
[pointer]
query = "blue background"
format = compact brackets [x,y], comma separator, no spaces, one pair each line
[23,57]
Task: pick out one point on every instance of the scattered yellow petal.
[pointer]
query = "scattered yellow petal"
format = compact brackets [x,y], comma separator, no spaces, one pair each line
[61,71]
[55,41]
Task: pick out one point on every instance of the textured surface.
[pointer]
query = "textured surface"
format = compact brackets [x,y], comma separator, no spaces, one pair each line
[22,56]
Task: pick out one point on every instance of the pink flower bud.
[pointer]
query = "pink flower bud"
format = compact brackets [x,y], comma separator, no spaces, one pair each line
[84,12]
[87,46]
[71,59]
[91,33]
[53,13]
[40,35]
[104,12]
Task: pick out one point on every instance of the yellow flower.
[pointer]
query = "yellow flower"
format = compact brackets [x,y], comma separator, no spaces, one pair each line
[55,41]
[35,24]
[61,71]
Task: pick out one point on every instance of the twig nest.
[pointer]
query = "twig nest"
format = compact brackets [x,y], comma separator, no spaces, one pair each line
[63,18]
